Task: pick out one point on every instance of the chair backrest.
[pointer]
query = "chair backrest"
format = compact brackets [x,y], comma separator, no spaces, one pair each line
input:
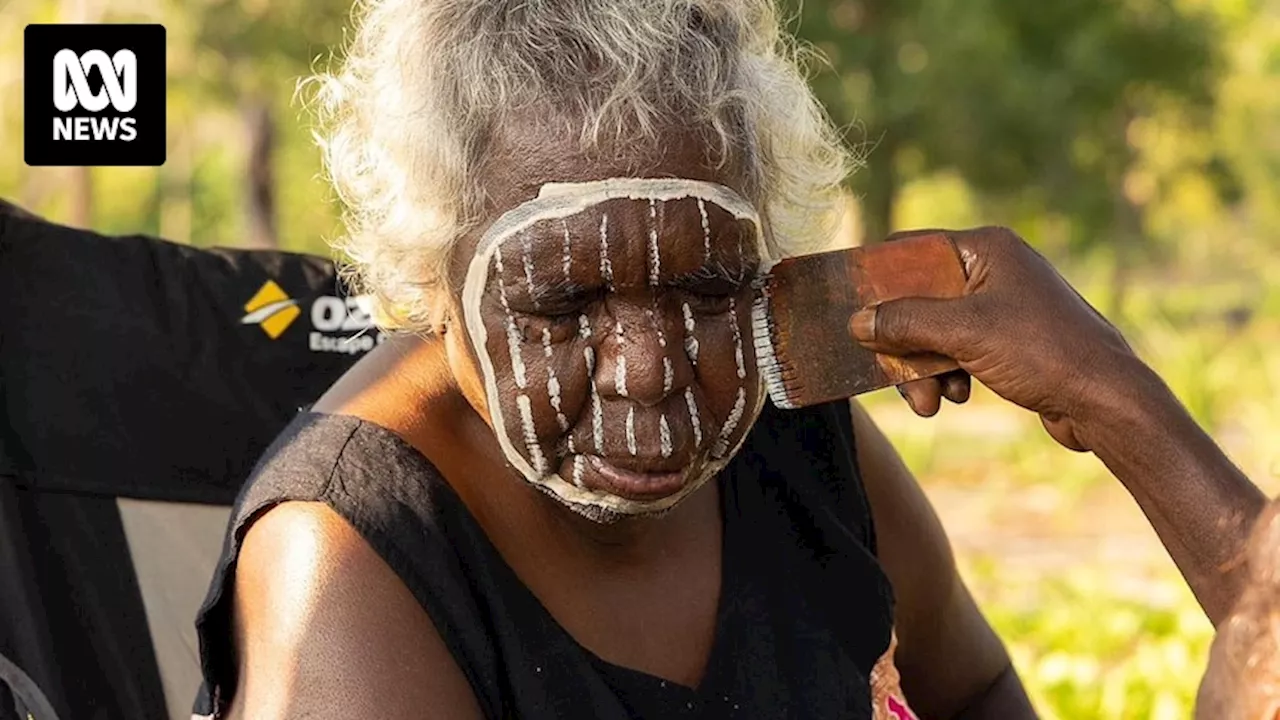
[29,702]
[140,381]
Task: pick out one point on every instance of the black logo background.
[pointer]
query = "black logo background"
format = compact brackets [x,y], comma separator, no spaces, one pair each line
[41,43]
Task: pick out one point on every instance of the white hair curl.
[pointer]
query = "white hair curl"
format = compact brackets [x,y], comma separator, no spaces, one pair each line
[403,120]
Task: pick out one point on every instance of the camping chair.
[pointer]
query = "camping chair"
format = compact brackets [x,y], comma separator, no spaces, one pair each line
[140,380]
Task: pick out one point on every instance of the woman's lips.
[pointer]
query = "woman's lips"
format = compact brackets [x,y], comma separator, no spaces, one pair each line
[631,484]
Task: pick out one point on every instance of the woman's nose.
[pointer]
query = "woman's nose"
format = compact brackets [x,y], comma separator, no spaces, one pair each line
[643,358]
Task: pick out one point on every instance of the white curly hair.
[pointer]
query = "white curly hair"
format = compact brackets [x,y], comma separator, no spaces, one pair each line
[403,120]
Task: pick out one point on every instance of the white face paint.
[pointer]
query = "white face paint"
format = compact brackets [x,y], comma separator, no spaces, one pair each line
[524,450]
[690,339]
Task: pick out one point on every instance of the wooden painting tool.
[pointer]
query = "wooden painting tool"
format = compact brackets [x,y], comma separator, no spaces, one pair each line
[801,318]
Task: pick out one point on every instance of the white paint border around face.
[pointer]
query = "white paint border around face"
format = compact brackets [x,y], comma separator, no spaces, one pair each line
[563,200]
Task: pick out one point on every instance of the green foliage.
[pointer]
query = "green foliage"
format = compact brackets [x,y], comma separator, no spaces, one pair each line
[1021,98]
[1086,651]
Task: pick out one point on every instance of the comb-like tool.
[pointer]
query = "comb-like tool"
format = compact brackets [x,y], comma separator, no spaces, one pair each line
[801,317]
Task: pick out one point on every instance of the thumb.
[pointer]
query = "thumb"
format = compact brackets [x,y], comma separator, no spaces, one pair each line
[916,325]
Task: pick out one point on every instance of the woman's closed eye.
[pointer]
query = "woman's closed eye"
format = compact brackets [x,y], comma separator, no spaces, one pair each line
[553,317]
[711,289]
[709,293]
[711,301]
[544,326]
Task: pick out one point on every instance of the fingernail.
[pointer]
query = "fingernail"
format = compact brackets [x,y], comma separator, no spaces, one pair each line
[863,325]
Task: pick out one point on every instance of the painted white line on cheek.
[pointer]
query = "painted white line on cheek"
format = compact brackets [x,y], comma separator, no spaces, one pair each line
[657,324]
[597,412]
[706,228]
[668,375]
[735,417]
[531,435]
[513,335]
[553,383]
[690,342]
[584,327]
[578,464]
[620,375]
[655,266]
[631,430]
[664,436]
[606,267]
[693,416]
[737,340]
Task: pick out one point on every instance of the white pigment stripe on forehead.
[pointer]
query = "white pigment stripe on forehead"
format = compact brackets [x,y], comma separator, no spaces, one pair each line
[559,201]
[706,228]
[562,200]
[525,256]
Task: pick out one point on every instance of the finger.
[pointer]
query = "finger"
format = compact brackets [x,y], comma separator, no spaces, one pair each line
[919,325]
[955,386]
[924,396]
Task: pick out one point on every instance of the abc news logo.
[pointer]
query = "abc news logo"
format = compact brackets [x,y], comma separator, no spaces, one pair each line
[71,90]
[95,95]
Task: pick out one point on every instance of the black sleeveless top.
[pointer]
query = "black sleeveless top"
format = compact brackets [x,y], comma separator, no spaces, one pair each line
[805,610]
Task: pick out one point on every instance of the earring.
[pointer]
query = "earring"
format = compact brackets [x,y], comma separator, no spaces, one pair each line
[444,323]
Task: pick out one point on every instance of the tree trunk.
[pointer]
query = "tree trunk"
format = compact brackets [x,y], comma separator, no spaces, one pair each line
[175,221]
[1127,245]
[884,131]
[260,203]
[881,190]
[81,214]
[1127,224]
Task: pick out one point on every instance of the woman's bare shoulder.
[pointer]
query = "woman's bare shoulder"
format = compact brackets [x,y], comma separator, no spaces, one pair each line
[325,629]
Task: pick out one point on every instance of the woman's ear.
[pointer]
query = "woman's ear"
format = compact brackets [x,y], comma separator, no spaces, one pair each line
[442,322]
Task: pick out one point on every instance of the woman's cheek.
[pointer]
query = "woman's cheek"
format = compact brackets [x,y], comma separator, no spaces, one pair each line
[727,374]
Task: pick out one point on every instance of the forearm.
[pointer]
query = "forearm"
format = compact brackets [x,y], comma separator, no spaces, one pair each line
[1201,506]
[1004,699]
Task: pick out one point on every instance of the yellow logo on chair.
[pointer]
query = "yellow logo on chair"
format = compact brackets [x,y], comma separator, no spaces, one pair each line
[271,309]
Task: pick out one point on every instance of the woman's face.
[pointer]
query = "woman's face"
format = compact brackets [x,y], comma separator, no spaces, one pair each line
[607,309]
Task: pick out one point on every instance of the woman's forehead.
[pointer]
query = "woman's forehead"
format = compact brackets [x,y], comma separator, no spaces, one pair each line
[630,199]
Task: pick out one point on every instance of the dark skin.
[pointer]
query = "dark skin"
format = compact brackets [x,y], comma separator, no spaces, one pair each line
[306,621]
[1243,678]
[1029,337]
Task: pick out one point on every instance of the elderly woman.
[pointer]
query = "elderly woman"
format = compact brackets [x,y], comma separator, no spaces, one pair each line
[559,492]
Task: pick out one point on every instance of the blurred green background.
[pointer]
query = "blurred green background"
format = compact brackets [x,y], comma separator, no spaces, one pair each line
[1135,142]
